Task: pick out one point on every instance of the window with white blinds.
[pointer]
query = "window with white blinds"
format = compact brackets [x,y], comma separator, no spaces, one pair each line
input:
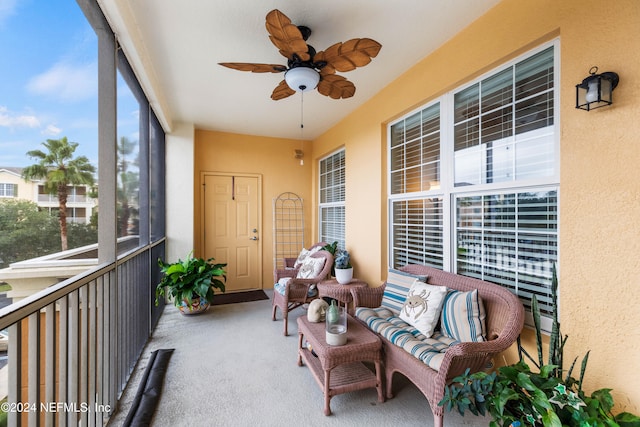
[510,239]
[332,197]
[503,124]
[415,152]
[417,232]
[416,222]
[8,190]
[473,179]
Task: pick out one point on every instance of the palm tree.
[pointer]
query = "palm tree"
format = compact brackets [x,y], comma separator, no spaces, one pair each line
[59,169]
[128,184]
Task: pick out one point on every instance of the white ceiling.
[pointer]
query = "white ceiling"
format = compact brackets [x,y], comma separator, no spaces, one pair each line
[175,47]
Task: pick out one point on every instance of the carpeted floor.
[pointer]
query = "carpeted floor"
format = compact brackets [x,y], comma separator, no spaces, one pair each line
[238,297]
[233,367]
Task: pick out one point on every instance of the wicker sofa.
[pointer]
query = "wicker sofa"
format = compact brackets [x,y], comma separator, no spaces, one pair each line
[504,319]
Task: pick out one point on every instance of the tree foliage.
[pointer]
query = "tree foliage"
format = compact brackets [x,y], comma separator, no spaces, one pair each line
[128,185]
[28,232]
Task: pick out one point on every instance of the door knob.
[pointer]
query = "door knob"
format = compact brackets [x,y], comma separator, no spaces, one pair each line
[253,238]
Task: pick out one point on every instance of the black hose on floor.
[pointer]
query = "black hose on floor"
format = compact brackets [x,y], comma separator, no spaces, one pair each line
[146,399]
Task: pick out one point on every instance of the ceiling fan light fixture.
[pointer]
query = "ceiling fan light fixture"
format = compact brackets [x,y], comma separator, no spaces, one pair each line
[302,72]
[302,79]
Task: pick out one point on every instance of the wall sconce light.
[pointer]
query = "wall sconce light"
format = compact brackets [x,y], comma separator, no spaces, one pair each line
[299,154]
[596,90]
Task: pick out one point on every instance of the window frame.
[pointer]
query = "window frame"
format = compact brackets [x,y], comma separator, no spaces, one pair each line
[6,188]
[448,191]
[519,287]
[335,203]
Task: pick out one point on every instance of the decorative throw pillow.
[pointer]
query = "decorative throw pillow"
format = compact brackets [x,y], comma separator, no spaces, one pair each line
[304,254]
[310,268]
[398,284]
[422,307]
[463,316]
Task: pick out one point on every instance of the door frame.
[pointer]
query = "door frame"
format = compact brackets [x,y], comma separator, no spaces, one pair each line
[203,174]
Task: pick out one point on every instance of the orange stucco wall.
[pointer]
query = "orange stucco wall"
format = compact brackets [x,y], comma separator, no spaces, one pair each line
[272,158]
[599,267]
[600,178]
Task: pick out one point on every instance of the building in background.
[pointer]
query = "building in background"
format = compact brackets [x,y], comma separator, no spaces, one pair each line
[80,205]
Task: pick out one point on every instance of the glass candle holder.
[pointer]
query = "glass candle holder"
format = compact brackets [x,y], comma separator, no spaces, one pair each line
[336,325]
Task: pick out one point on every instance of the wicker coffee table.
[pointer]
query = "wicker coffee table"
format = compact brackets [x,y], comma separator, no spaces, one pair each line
[339,369]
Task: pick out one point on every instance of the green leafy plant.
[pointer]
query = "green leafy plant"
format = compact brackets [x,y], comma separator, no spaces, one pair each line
[191,278]
[332,248]
[548,396]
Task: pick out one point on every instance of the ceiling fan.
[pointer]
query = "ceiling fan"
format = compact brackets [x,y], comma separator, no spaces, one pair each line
[307,69]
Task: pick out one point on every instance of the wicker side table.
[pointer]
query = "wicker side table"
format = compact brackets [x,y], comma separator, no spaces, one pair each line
[332,289]
[339,369]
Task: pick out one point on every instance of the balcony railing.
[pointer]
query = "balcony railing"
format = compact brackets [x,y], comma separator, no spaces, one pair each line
[71,198]
[73,346]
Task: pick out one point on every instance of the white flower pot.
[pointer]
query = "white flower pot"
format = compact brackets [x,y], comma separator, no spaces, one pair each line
[344,275]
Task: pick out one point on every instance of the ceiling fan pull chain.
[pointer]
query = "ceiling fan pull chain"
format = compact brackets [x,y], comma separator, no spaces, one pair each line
[301,126]
[301,115]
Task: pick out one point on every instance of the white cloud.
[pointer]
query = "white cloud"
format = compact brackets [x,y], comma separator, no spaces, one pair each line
[66,82]
[7,8]
[11,120]
[51,130]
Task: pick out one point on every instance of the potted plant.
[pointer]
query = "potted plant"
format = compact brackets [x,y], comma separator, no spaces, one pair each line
[518,396]
[191,283]
[343,268]
[341,261]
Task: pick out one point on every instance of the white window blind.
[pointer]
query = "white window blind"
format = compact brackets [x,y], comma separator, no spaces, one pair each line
[503,124]
[332,198]
[510,239]
[473,179]
[417,232]
[415,152]
[332,228]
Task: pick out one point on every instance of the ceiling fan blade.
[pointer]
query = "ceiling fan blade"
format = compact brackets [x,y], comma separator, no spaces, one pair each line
[336,87]
[286,36]
[282,91]
[348,56]
[254,68]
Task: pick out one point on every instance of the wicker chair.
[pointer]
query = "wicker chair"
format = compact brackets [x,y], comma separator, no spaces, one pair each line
[296,292]
[504,322]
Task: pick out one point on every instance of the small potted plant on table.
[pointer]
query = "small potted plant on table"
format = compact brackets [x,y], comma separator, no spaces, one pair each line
[344,270]
[191,283]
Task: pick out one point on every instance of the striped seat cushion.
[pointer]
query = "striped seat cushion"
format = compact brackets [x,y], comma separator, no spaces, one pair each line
[397,289]
[430,351]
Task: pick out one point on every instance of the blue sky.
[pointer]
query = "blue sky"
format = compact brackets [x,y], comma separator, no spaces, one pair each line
[48,80]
